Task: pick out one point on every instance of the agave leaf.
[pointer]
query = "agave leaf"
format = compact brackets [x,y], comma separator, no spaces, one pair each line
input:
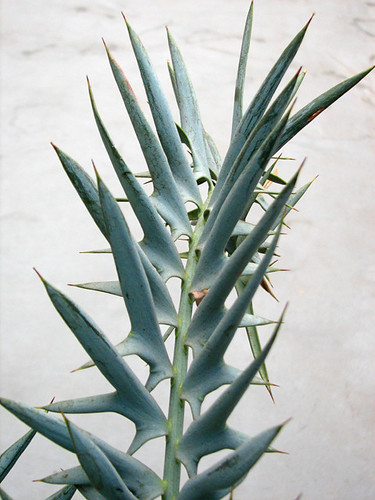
[141,407]
[215,482]
[164,123]
[166,197]
[145,339]
[12,454]
[209,312]
[241,71]
[63,494]
[189,112]
[258,105]
[251,146]
[202,376]
[139,478]
[156,242]
[318,105]
[101,473]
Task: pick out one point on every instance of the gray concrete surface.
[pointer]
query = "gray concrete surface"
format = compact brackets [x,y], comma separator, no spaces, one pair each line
[324,359]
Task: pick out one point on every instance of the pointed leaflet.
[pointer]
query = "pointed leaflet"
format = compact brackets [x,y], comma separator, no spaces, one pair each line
[157,243]
[101,473]
[241,71]
[189,112]
[91,404]
[145,338]
[164,123]
[210,311]
[290,204]
[166,197]
[85,187]
[10,456]
[88,192]
[140,479]
[213,152]
[257,107]
[215,482]
[318,105]
[165,313]
[209,432]
[212,257]
[75,475]
[141,407]
[64,494]
[208,370]
[252,144]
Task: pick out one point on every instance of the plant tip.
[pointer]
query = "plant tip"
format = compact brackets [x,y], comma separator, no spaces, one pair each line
[38,273]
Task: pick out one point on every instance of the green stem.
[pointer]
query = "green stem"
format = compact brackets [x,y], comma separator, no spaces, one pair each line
[172,467]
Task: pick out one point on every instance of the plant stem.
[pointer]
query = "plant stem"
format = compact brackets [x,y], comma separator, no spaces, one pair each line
[172,467]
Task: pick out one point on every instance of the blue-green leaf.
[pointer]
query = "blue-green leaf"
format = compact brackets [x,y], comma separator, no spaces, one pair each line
[164,123]
[229,176]
[75,475]
[241,71]
[85,187]
[166,197]
[212,256]
[165,314]
[145,339]
[213,153]
[189,112]
[89,492]
[215,482]
[100,471]
[156,242]
[318,105]
[260,102]
[90,404]
[208,370]
[10,456]
[141,407]
[210,310]
[140,479]
[63,494]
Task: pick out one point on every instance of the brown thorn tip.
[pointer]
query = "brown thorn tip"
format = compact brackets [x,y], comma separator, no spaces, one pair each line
[95,169]
[38,273]
[311,18]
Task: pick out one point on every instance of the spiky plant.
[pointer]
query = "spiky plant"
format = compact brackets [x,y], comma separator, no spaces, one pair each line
[229,249]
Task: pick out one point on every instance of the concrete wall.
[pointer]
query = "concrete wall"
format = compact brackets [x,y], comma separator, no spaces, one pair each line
[324,358]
